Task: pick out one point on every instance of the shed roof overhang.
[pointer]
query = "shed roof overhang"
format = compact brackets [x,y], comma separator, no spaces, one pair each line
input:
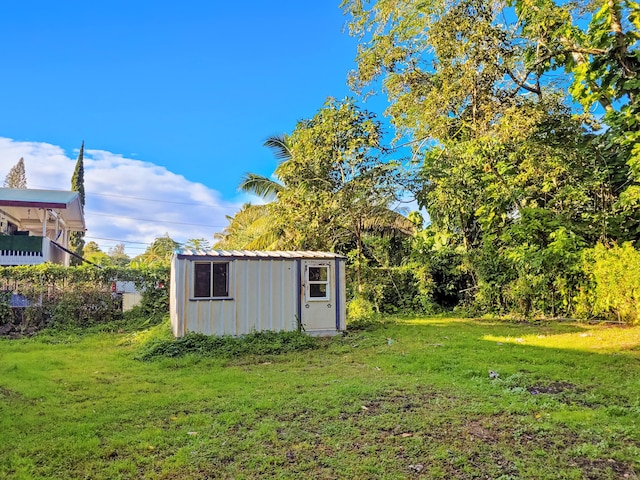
[22,205]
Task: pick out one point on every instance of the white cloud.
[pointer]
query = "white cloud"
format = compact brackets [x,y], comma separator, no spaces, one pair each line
[127,200]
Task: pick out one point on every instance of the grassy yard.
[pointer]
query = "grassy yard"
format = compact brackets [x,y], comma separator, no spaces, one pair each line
[411,399]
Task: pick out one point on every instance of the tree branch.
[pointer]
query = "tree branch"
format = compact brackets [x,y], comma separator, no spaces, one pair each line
[522,83]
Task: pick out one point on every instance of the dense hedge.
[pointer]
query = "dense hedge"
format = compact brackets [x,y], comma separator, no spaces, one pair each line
[80,296]
[600,283]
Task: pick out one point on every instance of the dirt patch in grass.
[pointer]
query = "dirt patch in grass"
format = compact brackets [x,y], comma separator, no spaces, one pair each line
[13,396]
[603,468]
[399,402]
[484,446]
[427,433]
[552,388]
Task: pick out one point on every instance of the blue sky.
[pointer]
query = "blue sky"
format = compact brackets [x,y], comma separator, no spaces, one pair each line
[172,99]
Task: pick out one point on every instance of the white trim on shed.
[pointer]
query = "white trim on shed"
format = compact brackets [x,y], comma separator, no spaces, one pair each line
[235,292]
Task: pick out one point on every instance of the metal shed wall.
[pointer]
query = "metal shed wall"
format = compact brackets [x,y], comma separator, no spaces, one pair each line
[264,290]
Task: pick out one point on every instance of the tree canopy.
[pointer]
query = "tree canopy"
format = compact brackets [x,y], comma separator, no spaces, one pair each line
[521,122]
[17,177]
[515,177]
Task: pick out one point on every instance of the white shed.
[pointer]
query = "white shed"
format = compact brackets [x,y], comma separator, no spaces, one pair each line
[237,292]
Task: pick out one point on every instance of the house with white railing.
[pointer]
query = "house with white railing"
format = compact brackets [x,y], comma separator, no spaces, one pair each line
[35,225]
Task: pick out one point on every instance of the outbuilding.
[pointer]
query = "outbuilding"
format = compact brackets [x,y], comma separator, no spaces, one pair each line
[221,292]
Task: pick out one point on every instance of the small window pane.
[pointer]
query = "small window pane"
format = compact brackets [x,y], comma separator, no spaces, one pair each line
[318,274]
[220,284]
[202,280]
[318,290]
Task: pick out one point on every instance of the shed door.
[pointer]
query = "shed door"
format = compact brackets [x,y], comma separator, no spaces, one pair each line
[318,290]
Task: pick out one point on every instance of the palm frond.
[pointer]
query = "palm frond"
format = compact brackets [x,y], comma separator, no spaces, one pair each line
[267,241]
[279,145]
[261,186]
[389,222]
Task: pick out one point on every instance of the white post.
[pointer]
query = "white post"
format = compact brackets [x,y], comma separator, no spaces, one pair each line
[44,222]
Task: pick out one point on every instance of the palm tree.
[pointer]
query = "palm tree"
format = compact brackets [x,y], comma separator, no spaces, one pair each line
[265,187]
[158,253]
[251,228]
[254,227]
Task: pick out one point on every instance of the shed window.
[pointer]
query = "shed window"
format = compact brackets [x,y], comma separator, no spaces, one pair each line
[211,280]
[318,282]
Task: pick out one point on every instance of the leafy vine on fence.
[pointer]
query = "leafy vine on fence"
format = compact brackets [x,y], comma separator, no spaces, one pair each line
[80,296]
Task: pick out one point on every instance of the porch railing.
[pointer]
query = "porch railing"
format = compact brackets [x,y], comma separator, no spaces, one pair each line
[30,250]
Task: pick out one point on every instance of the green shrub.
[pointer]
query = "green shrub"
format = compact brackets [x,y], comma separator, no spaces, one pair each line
[359,308]
[85,308]
[80,297]
[613,290]
[6,312]
[258,343]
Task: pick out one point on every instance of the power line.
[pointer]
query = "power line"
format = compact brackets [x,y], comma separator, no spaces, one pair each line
[163,201]
[154,221]
[191,204]
[142,245]
[117,240]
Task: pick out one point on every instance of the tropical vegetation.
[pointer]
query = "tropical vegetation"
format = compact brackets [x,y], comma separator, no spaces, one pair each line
[516,135]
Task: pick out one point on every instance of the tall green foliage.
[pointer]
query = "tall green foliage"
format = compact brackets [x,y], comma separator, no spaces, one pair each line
[76,240]
[508,172]
[339,186]
[332,187]
[601,52]
[251,228]
[614,287]
[198,244]
[117,256]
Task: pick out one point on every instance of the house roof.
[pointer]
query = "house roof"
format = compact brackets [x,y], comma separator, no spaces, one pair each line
[22,205]
[255,254]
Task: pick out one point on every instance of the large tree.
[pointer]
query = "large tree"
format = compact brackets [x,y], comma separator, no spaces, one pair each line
[198,244]
[339,186]
[508,172]
[94,254]
[332,188]
[17,177]
[118,256]
[598,45]
[76,240]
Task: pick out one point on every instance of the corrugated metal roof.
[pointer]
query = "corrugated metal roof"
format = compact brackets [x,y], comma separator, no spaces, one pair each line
[256,254]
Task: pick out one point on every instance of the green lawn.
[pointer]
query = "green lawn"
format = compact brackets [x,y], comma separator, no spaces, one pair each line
[412,399]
